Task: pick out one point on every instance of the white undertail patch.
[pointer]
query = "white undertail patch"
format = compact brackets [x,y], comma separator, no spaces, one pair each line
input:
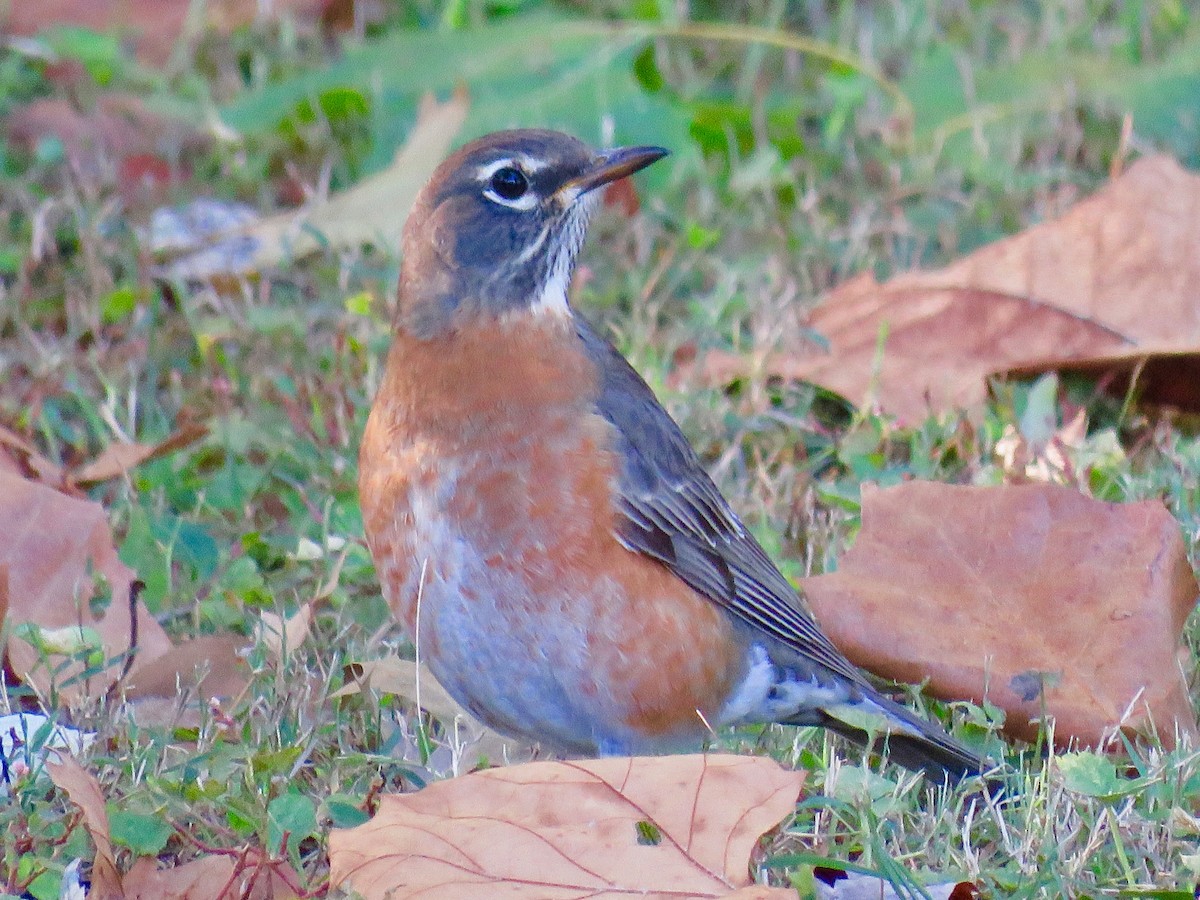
[770,692]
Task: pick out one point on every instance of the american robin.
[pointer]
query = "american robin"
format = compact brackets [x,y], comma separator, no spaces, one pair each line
[539,522]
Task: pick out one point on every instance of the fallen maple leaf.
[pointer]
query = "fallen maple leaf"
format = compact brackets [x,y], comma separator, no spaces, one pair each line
[1034,597]
[373,211]
[652,827]
[1109,285]
[84,791]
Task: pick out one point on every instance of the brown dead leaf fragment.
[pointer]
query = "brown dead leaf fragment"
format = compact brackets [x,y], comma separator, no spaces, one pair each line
[1125,257]
[20,457]
[215,658]
[3,592]
[558,830]
[115,131]
[1016,593]
[417,684]
[85,793]
[201,879]
[405,678]
[939,345]
[1116,276]
[284,636]
[118,458]
[52,545]
[211,878]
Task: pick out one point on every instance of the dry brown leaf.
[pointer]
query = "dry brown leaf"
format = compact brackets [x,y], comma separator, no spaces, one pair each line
[84,792]
[201,879]
[52,545]
[285,636]
[1032,588]
[216,657]
[373,211]
[207,878]
[940,345]
[405,678]
[550,830]
[118,458]
[1110,283]
[1125,257]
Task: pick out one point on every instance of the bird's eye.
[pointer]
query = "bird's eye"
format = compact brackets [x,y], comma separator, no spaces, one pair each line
[509,183]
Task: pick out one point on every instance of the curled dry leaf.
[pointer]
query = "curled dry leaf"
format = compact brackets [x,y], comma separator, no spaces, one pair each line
[373,211]
[212,663]
[1023,595]
[118,458]
[84,792]
[20,457]
[282,636]
[550,830]
[403,677]
[1110,285]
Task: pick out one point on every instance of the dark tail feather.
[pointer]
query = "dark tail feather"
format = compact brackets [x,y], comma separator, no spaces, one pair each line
[916,744]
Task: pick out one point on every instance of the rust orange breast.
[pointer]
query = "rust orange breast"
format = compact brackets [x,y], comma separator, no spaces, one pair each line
[487,483]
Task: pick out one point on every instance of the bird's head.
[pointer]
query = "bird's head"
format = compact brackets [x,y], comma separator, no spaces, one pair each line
[497,228]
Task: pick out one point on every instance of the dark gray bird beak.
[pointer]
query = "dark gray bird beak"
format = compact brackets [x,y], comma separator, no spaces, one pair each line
[609,166]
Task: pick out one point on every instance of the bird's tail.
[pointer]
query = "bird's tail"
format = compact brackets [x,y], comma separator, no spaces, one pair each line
[909,740]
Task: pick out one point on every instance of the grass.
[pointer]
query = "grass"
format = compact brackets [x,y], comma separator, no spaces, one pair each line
[797,175]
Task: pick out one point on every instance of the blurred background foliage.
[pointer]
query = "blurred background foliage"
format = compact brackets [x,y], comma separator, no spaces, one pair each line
[812,140]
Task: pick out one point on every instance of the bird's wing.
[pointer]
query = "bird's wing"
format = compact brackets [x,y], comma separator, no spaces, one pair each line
[670,510]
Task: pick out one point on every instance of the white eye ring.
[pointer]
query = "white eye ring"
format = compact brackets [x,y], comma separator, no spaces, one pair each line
[527,200]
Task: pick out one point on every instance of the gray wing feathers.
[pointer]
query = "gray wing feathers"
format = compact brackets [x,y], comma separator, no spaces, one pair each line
[673,512]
